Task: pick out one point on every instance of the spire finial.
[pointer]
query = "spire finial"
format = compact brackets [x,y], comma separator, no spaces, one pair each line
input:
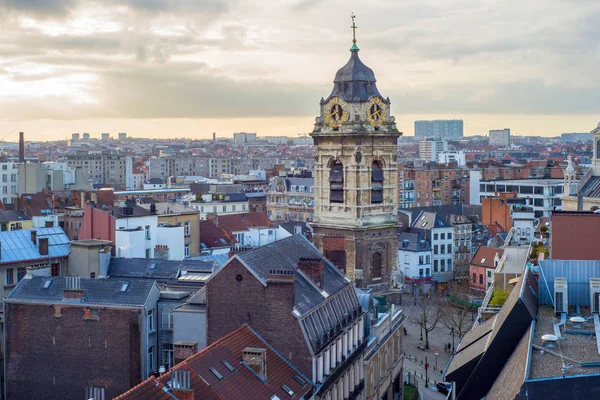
[354,46]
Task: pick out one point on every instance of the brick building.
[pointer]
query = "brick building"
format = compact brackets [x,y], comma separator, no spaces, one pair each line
[482,267]
[497,210]
[301,304]
[432,185]
[65,337]
[574,235]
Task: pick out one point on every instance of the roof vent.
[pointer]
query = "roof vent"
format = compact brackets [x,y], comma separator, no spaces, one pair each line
[549,340]
[561,299]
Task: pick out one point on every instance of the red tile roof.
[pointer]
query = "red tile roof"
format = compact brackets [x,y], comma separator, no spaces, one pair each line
[238,385]
[245,221]
[484,256]
[213,236]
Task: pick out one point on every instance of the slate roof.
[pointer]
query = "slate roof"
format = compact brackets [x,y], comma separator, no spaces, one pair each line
[220,259]
[105,292]
[240,384]
[17,245]
[429,220]
[13,216]
[159,270]
[413,242]
[355,81]
[591,187]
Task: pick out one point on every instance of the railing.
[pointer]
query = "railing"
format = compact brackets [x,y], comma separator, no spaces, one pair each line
[344,366]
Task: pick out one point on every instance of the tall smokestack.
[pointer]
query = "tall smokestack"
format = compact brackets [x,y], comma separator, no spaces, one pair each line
[21,147]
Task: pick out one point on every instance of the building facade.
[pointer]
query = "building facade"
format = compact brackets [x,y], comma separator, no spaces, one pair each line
[499,137]
[356,177]
[430,149]
[440,128]
[291,199]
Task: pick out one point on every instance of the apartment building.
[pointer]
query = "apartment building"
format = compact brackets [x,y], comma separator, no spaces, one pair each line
[432,185]
[291,199]
[9,183]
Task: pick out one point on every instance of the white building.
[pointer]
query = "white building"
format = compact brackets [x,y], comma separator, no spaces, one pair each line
[499,137]
[440,234]
[543,195]
[142,237]
[430,148]
[250,229]
[447,157]
[231,203]
[414,256]
[9,182]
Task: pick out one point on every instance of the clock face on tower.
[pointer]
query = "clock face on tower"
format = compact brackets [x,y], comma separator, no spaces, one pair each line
[376,113]
[336,112]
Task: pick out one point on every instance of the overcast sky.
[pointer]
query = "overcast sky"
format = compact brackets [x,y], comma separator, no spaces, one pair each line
[190,67]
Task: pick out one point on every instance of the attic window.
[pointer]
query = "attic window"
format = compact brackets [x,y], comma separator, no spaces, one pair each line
[229,366]
[124,287]
[216,373]
[153,266]
[299,380]
[48,283]
[287,390]
[483,260]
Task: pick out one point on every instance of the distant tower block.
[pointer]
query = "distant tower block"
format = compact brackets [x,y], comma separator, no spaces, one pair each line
[122,136]
[86,136]
[75,137]
[105,136]
[214,137]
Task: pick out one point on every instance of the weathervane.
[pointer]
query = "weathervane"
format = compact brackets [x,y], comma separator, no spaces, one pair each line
[353,28]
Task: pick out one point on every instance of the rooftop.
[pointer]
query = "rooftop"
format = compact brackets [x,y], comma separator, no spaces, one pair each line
[169,208]
[13,216]
[484,256]
[17,246]
[164,271]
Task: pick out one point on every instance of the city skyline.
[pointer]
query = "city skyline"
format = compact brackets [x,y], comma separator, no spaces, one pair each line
[187,70]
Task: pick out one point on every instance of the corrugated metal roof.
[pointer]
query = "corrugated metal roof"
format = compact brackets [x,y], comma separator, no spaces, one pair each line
[578,274]
[17,245]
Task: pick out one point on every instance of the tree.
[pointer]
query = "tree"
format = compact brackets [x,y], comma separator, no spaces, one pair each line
[427,314]
[498,297]
[455,313]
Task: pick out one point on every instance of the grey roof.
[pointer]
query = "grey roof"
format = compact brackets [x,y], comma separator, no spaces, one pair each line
[13,216]
[468,210]
[591,187]
[578,274]
[415,242]
[17,245]
[95,291]
[429,220]
[284,255]
[220,259]
[355,81]
[159,270]
[293,181]
[255,194]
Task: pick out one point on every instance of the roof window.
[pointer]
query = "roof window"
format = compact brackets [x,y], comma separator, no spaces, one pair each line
[216,373]
[287,390]
[124,287]
[229,366]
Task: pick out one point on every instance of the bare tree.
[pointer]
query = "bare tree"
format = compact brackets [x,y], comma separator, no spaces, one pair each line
[427,314]
[455,311]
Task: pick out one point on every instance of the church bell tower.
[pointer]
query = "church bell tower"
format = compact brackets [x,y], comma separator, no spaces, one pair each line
[356,176]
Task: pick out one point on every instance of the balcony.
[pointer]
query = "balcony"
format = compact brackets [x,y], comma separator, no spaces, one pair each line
[344,366]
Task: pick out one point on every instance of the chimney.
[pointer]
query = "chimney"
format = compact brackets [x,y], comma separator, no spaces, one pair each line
[183,350]
[314,269]
[43,246]
[73,288]
[34,236]
[49,224]
[181,384]
[256,360]
[496,260]
[161,252]
[237,249]
[21,147]
[153,208]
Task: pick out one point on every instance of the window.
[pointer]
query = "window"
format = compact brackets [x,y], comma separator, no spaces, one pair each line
[150,358]
[186,228]
[187,250]
[21,274]
[435,265]
[474,277]
[427,271]
[55,270]
[10,278]
[92,275]
[435,236]
[449,236]
[406,259]
[443,236]
[427,259]
[147,229]
[421,260]
[420,271]
[489,274]
[442,249]
[449,248]
[435,249]
[150,320]
[376,183]
[336,183]
[481,279]
[376,265]
[167,356]
[148,253]
[442,265]
[224,208]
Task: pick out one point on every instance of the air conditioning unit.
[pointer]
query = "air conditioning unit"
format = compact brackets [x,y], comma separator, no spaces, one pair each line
[595,294]
[561,300]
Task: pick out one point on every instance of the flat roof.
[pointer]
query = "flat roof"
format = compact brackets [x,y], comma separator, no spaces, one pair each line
[526,181]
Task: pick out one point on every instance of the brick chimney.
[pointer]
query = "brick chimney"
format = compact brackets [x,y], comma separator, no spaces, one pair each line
[183,350]
[181,384]
[44,246]
[73,288]
[314,269]
[34,236]
[256,360]
[281,276]
[237,249]
[161,252]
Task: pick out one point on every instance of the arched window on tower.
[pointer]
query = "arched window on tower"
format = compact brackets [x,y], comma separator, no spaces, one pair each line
[336,183]
[376,265]
[376,183]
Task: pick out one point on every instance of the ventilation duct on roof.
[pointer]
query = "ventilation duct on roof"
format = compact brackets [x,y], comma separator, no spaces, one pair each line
[561,300]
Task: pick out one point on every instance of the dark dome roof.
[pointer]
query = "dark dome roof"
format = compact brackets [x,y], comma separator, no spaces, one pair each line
[355,81]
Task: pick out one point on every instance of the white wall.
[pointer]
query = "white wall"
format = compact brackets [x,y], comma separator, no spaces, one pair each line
[408,262]
[257,237]
[131,244]
[173,238]
[474,180]
[40,222]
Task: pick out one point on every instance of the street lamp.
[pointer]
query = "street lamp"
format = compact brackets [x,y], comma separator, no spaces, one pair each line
[452,330]
[436,354]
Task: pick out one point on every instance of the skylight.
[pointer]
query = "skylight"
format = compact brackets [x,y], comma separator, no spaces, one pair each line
[299,380]
[47,283]
[229,366]
[216,373]
[124,287]
[287,390]
[483,260]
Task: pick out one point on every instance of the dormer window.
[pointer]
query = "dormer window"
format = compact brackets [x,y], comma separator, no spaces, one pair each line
[336,183]
[376,183]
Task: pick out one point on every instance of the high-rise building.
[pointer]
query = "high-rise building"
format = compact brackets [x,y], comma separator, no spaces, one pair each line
[499,137]
[430,148]
[86,136]
[122,135]
[75,137]
[241,138]
[356,177]
[440,128]
[105,136]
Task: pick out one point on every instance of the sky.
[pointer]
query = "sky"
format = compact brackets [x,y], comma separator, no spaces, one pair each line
[187,68]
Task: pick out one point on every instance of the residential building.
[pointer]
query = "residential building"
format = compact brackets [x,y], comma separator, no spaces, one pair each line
[215,240]
[432,185]
[250,229]
[9,182]
[384,355]
[242,365]
[451,129]
[499,137]
[543,195]
[73,218]
[576,137]
[221,204]
[574,235]
[356,179]
[452,157]
[483,264]
[98,334]
[242,138]
[440,234]
[463,245]
[497,209]
[429,149]
[11,220]
[40,251]
[414,256]
[33,177]
[106,167]
[291,199]
[174,214]
[89,258]
[301,304]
